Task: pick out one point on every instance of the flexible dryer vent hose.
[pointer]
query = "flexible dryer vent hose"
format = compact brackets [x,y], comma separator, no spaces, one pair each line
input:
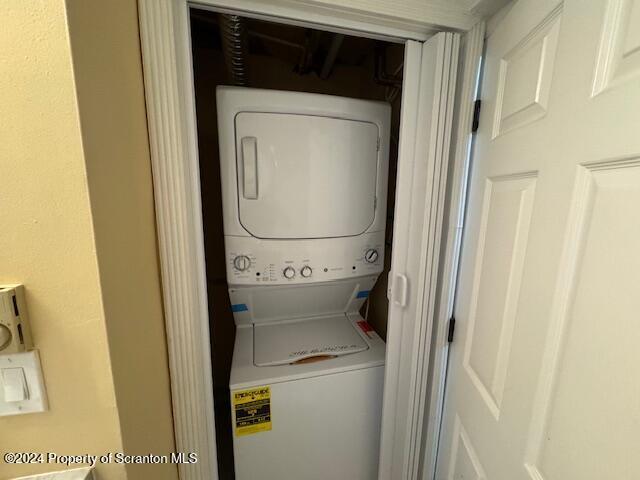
[235,47]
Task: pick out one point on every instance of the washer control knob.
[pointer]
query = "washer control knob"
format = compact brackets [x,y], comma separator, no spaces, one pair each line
[371,255]
[306,271]
[241,263]
[289,272]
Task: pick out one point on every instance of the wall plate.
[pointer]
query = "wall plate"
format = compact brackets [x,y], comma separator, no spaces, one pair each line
[36,397]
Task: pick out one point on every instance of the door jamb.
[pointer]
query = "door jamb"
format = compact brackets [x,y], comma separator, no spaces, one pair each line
[459,165]
[169,92]
[390,19]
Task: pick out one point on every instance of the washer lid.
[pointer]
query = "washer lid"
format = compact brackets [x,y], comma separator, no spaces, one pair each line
[290,342]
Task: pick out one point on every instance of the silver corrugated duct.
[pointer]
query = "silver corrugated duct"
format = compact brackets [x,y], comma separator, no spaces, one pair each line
[235,47]
[330,59]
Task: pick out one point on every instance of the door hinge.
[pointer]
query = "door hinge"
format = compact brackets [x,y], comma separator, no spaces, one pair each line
[476,116]
[452,329]
[378,144]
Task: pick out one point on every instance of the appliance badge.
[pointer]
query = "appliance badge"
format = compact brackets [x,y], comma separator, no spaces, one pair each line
[252,410]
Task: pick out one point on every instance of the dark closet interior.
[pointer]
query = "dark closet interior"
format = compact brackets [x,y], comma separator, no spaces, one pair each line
[234,50]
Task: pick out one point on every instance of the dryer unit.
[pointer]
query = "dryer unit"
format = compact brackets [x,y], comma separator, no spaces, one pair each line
[304,183]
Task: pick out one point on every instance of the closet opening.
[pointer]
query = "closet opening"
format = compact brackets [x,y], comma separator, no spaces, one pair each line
[232,50]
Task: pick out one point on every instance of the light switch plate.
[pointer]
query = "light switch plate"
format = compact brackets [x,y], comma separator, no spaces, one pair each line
[29,362]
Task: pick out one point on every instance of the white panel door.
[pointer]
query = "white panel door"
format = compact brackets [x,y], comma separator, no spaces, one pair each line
[544,370]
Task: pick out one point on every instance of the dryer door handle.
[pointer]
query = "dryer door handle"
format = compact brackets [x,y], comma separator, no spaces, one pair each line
[249,146]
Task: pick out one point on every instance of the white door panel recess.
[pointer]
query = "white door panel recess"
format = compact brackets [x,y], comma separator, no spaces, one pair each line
[544,367]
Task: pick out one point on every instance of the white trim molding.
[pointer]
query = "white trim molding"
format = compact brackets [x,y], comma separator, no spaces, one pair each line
[166,54]
[437,151]
[419,210]
[432,14]
[400,19]
[469,70]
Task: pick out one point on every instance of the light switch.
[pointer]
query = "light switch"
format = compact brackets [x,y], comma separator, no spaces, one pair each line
[14,385]
[21,384]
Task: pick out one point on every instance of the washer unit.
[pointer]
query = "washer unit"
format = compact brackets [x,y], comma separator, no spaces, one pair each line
[304,182]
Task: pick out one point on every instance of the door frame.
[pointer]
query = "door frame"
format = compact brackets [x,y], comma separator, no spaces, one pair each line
[170,98]
[467,92]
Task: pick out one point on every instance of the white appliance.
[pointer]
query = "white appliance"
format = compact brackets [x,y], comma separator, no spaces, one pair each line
[304,182]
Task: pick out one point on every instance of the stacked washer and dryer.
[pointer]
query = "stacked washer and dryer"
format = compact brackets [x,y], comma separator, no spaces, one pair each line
[304,184]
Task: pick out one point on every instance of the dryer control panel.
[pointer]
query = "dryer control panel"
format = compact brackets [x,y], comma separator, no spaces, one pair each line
[254,262]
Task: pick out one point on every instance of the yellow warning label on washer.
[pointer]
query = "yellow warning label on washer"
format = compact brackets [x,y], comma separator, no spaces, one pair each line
[252,410]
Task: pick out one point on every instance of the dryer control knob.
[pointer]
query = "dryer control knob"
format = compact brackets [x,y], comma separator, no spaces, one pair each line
[241,263]
[306,271]
[289,272]
[371,255]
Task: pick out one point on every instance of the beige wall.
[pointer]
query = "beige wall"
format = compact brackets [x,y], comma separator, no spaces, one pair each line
[78,231]
[49,243]
[108,74]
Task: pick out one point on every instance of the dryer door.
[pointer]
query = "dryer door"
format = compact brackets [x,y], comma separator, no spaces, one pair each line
[304,176]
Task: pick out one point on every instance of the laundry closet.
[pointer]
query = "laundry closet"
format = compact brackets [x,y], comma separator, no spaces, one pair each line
[298,133]
[506,250]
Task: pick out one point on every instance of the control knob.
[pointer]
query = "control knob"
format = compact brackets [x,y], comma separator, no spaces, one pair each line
[371,255]
[241,263]
[289,273]
[306,271]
